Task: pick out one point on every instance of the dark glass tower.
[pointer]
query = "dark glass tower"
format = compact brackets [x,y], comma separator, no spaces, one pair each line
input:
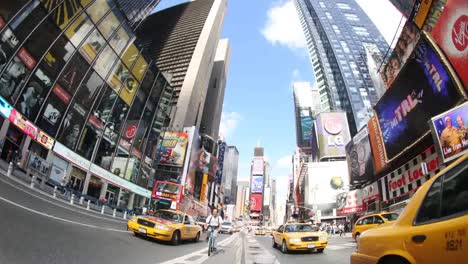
[337,33]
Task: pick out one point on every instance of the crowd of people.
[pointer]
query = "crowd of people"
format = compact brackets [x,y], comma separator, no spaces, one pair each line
[335,228]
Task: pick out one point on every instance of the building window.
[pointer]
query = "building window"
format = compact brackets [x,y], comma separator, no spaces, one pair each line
[322,5]
[343,6]
[79,29]
[9,8]
[92,46]
[73,73]
[54,109]
[351,17]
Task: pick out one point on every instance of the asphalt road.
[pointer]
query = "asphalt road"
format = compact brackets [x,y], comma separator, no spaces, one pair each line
[38,229]
[338,251]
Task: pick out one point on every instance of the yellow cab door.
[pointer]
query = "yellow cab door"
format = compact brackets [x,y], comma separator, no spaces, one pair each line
[367,223]
[193,227]
[440,231]
[277,235]
[186,228]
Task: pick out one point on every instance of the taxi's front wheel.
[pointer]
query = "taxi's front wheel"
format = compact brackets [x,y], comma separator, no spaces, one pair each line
[320,250]
[175,238]
[197,237]
[284,247]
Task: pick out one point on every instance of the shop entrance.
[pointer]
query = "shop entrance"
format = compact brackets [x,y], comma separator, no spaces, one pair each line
[12,143]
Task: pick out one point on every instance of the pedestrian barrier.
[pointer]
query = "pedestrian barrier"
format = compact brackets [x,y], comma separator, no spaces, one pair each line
[33,179]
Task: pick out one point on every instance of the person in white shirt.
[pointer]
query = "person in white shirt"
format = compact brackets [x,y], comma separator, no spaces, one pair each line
[214,221]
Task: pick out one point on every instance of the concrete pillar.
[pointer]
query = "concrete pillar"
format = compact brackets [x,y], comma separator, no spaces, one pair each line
[142,202]
[4,129]
[119,196]
[131,198]
[86,183]
[104,186]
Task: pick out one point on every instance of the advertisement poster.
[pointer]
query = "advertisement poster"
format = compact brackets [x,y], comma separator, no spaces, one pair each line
[378,150]
[333,134]
[256,202]
[434,14]
[359,157]
[350,203]
[5,108]
[173,148]
[326,180]
[370,192]
[193,162]
[451,33]
[219,170]
[257,167]
[38,165]
[44,139]
[406,43]
[450,131]
[423,89]
[23,124]
[306,126]
[257,184]
[166,190]
[423,10]
[207,163]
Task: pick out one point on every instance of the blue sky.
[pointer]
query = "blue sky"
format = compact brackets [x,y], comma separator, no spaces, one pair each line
[267,55]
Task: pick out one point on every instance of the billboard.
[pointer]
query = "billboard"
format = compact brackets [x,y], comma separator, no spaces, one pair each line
[422,90]
[256,202]
[173,148]
[257,184]
[5,108]
[325,180]
[423,10]
[257,167]
[38,165]
[167,190]
[219,171]
[306,126]
[23,124]
[370,192]
[451,33]
[333,134]
[404,6]
[350,203]
[434,14]
[378,150]
[359,157]
[450,132]
[406,43]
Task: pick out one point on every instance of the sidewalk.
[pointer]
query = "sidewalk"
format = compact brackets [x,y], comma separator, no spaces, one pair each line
[19,177]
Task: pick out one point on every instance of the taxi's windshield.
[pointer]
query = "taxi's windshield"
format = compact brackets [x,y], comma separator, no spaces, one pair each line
[390,217]
[227,223]
[171,216]
[300,228]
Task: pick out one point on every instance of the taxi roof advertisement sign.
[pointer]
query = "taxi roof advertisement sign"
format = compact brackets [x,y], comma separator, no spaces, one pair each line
[450,132]
[423,89]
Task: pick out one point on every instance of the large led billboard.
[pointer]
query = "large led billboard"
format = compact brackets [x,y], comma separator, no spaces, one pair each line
[257,166]
[173,148]
[256,202]
[257,184]
[333,134]
[359,156]
[325,180]
[423,89]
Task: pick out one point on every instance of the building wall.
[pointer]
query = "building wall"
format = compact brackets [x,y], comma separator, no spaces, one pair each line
[336,33]
[211,118]
[86,90]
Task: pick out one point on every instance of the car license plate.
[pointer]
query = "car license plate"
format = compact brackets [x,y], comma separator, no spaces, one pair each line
[142,230]
[310,246]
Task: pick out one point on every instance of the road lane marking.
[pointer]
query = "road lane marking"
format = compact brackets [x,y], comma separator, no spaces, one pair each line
[202,254]
[62,206]
[61,219]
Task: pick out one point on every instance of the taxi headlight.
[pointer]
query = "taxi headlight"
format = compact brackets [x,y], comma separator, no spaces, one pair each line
[162,227]
[294,240]
[323,238]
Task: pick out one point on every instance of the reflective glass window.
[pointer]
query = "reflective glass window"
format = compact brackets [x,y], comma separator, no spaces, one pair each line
[9,8]
[120,39]
[72,125]
[33,95]
[89,89]
[130,55]
[53,111]
[8,43]
[13,79]
[65,12]
[109,25]
[23,24]
[105,61]
[140,68]
[455,191]
[118,76]
[41,39]
[56,58]
[79,29]
[129,89]
[73,73]
[430,207]
[97,9]
[93,44]
[102,111]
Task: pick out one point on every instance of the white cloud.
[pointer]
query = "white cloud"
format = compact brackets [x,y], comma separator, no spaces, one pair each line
[229,123]
[284,162]
[384,15]
[283,27]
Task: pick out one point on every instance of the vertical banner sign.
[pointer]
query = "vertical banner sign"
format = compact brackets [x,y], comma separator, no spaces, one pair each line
[423,89]
[219,171]
[423,10]
[451,33]
[375,138]
[450,132]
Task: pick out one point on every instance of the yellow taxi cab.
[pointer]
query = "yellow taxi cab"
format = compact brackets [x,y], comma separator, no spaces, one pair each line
[433,228]
[166,225]
[370,221]
[299,236]
[260,231]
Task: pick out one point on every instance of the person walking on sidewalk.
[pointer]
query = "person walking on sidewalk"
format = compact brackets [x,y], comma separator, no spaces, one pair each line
[341,229]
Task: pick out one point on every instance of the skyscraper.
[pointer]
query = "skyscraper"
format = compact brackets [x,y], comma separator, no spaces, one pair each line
[230,168]
[183,41]
[211,118]
[136,10]
[306,106]
[242,197]
[336,34]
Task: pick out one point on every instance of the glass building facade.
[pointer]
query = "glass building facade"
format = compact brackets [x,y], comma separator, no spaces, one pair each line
[78,90]
[337,33]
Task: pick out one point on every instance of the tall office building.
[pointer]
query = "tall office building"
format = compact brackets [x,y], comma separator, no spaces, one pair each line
[337,32]
[80,95]
[211,118]
[230,169]
[136,10]
[183,40]
[242,197]
[306,106]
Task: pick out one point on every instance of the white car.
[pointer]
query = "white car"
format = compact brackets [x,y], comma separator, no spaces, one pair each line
[226,227]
